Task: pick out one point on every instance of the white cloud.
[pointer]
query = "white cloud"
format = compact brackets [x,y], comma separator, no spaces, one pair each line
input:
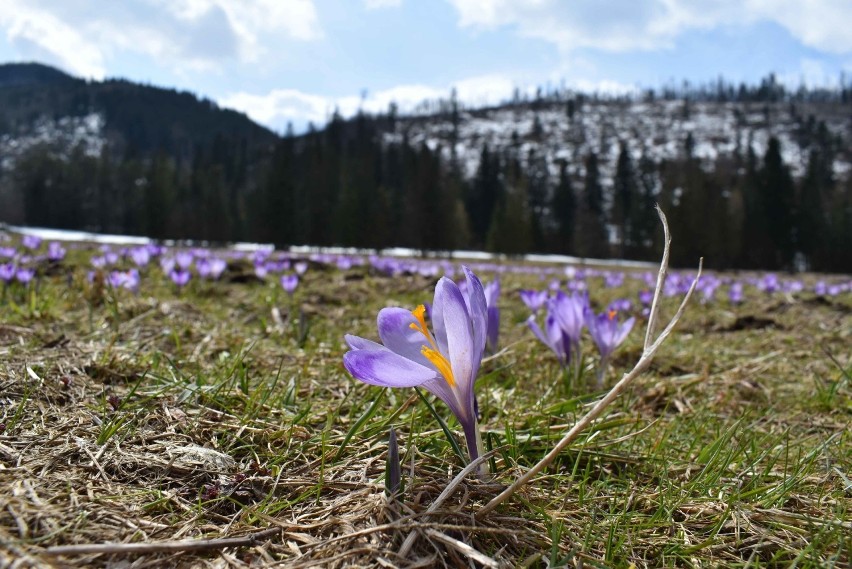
[279,106]
[604,86]
[623,25]
[811,72]
[296,19]
[82,35]
[377,4]
[37,33]
[821,24]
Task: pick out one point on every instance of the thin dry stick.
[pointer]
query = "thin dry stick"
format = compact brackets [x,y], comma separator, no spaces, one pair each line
[661,279]
[588,418]
[462,548]
[448,491]
[164,546]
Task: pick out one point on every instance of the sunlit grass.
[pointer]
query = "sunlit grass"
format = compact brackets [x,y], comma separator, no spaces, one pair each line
[734,449]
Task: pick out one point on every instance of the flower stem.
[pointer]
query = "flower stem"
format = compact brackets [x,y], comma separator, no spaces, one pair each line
[602,372]
[474,444]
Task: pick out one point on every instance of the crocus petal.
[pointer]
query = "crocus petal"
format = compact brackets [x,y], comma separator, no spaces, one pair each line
[396,333]
[533,325]
[464,410]
[386,368]
[556,337]
[358,343]
[493,328]
[478,309]
[442,390]
[456,323]
[624,330]
[437,316]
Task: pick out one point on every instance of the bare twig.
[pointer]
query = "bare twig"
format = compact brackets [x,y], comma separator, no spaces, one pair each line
[164,546]
[462,548]
[448,491]
[661,279]
[617,389]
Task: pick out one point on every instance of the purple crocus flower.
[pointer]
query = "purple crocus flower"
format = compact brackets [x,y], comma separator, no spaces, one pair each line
[534,299]
[167,264]
[55,251]
[184,259]
[492,294]
[124,279]
[180,277]
[608,334]
[553,337]
[606,331]
[31,242]
[300,267]
[769,283]
[24,276]
[202,266]
[620,305]
[646,297]
[444,363]
[562,326]
[141,256]
[7,272]
[217,267]
[569,311]
[735,293]
[289,283]
[613,280]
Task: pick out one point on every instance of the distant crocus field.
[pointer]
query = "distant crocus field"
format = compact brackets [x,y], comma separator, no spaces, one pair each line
[172,406]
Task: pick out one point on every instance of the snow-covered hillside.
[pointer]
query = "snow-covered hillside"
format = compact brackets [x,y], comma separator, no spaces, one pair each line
[62,135]
[657,128]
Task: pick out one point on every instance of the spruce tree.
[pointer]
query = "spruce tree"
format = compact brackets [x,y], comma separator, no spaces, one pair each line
[590,235]
[626,196]
[777,194]
[564,211]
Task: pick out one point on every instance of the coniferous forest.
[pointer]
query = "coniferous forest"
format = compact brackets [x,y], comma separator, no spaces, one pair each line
[168,165]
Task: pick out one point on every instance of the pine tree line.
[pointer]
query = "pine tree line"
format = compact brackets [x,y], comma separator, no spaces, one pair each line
[343,186]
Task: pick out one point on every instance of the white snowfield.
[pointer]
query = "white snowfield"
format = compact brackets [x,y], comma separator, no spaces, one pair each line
[657,129]
[106,239]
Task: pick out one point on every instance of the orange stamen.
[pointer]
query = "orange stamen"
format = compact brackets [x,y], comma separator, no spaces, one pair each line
[611,314]
[440,362]
[432,354]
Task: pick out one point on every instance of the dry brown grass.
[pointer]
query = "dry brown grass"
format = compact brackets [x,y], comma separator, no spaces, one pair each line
[725,454]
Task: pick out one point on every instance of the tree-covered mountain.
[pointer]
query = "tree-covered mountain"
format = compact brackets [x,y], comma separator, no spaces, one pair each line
[751,176]
[131,117]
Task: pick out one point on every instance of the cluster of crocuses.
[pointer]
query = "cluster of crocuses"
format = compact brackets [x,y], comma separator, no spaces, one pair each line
[464,317]
[565,317]
[20,265]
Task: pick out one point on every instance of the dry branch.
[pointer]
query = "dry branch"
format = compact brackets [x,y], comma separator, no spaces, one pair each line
[618,388]
[448,491]
[164,546]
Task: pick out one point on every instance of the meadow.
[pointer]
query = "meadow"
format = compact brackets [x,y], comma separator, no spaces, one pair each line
[168,406]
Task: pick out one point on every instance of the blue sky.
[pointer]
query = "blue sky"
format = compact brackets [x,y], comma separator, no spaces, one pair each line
[295,61]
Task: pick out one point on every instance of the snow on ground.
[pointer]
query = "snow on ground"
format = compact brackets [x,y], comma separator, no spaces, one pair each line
[657,129]
[61,135]
[48,234]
